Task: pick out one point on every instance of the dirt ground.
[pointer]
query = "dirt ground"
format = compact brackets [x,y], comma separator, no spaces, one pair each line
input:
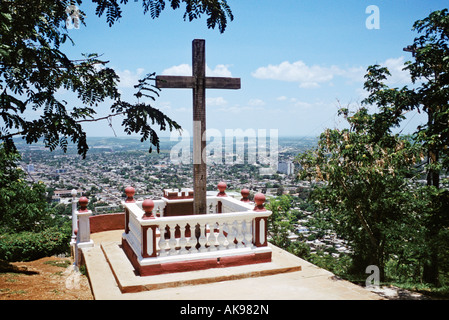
[49,278]
[53,278]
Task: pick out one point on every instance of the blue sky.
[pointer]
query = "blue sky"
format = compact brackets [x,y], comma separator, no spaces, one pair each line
[299,61]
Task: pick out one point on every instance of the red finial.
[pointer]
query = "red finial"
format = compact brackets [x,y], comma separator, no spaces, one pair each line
[259,199]
[130,191]
[221,187]
[245,194]
[147,206]
[83,201]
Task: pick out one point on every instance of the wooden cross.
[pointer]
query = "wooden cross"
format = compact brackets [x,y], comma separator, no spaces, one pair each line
[199,83]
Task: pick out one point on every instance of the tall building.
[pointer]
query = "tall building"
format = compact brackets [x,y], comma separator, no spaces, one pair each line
[286,167]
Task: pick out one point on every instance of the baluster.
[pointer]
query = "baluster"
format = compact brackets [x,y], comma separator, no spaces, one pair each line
[194,238]
[232,234]
[212,238]
[190,236]
[239,237]
[172,241]
[248,233]
[202,240]
[183,241]
[221,237]
[162,242]
[229,239]
[207,234]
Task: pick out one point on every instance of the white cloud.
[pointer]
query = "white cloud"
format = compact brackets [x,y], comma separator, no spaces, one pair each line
[218,101]
[302,104]
[307,76]
[253,105]
[256,102]
[128,79]
[238,109]
[309,85]
[180,70]
[295,104]
[164,106]
[313,76]
[395,66]
[220,70]
[354,74]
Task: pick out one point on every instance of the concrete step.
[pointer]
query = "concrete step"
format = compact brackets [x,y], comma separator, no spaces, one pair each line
[101,278]
[310,283]
[128,281]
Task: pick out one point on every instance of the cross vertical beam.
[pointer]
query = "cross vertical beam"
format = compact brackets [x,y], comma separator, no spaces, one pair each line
[199,127]
[198,82]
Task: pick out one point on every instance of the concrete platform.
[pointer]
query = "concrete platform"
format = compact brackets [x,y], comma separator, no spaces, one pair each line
[287,277]
[129,282]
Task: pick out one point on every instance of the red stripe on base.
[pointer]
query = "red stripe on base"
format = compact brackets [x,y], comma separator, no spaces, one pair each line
[194,265]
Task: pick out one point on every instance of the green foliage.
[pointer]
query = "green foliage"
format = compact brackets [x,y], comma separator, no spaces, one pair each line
[281,225]
[430,74]
[27,246]
[361,191]
[366,176]
[299,249]
[218,11]
[280,221]
[28,230]
[23,206]
[338,266]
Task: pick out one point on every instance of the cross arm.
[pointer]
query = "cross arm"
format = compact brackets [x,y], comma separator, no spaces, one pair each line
[222,83]
[175,81]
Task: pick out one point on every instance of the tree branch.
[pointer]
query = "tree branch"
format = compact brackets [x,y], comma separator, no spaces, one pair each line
[101,118]
[79,121]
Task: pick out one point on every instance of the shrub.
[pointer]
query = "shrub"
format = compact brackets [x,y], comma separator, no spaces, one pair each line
[27,246]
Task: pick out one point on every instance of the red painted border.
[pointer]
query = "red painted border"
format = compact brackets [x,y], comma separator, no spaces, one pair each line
[106,222]
[194,265]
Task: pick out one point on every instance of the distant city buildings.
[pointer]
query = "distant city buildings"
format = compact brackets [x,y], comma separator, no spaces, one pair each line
[103,176]
[64,196]
[287,168]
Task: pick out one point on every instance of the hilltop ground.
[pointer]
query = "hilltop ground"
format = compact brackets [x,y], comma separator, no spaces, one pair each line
[53,278]
[48,278]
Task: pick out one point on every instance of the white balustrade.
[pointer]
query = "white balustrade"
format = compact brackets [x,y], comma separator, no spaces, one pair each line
[234,231]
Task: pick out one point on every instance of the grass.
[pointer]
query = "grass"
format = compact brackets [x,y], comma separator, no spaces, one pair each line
[10,277]
[426,289]
[19,292]
[339,266]
[58,263]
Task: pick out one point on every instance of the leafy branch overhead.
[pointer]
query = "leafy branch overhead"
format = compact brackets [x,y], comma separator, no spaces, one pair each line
[217,11]
[33,70]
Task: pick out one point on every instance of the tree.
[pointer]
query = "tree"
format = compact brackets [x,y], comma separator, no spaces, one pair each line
[280,221]
[361,188]
[367,189]
[23,206]
[33,69]
[430,74]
